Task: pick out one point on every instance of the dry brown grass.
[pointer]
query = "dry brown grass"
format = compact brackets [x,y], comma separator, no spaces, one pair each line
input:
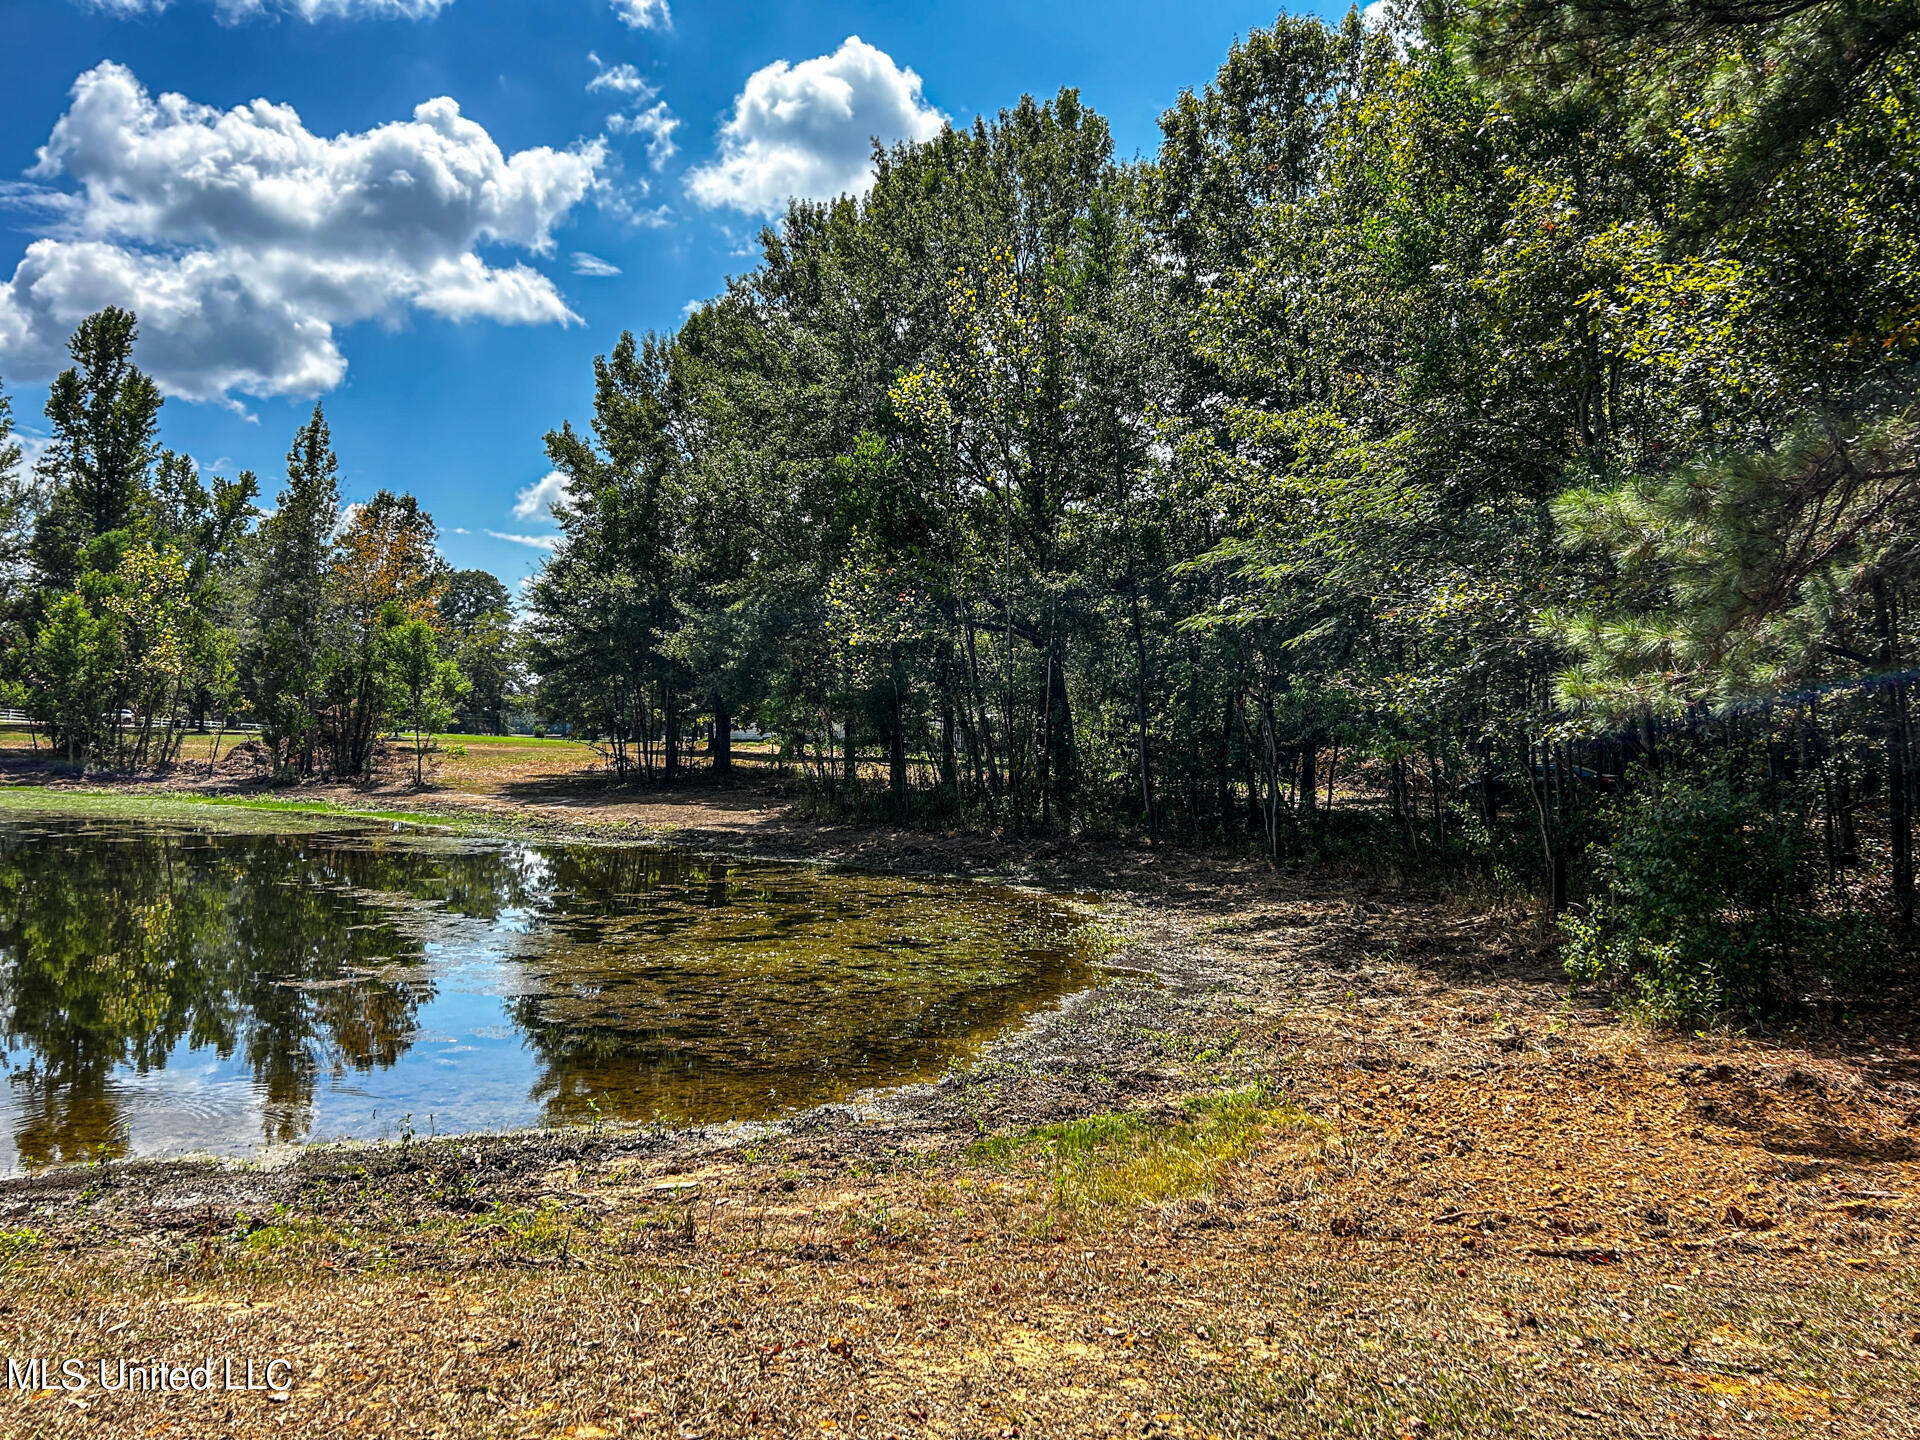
[1586,1233]
[1466,1206]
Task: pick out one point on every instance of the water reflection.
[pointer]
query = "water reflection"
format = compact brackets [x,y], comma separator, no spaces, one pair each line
[165,987]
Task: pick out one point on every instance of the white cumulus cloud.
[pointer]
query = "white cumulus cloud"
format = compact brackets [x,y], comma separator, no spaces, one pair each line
[807,130]
[540,497]
[244,241]
[622,79]
[644,14]
[593,265]
[653,121]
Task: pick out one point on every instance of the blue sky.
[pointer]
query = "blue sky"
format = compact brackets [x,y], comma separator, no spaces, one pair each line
[441,274]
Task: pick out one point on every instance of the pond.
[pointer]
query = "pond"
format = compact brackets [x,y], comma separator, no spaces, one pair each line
[172,986]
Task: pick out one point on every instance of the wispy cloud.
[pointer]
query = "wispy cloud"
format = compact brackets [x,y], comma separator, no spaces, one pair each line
[232,12]
[585,264]
[657,123]
[538,542]
[32,447]
[622,79]
[644,14]
[648,115]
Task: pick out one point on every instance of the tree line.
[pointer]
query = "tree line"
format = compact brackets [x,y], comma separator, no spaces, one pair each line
[143,600]
[1489,436]
[1484,441]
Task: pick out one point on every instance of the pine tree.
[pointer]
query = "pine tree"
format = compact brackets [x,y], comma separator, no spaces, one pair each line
[16,513]
[105,413]
[280,668]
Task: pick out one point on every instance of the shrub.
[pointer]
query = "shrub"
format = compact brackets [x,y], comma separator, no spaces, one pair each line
[1706,903]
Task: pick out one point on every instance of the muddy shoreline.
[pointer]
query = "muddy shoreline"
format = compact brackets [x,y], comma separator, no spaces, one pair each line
[1070,1060]
[1473,1204]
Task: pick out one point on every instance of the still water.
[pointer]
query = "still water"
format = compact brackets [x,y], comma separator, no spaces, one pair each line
[170,987]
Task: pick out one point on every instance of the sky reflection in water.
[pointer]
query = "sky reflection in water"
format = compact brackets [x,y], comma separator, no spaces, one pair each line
[167,987]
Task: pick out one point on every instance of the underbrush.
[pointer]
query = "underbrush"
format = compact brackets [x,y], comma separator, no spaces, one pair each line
[1707,904]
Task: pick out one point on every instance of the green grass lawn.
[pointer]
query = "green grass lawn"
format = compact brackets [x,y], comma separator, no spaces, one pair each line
[505,742]
[254,814]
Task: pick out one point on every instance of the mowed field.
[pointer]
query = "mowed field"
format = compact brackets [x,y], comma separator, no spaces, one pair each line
[484,763]
[490,765]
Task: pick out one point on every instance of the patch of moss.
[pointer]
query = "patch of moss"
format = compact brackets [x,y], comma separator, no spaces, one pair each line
[119,805]
[1132,1157]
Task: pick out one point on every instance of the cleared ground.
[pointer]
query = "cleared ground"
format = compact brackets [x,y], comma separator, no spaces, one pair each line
[1340,1158]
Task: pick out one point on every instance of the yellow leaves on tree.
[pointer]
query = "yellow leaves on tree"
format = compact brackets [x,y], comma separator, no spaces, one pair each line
[386,557]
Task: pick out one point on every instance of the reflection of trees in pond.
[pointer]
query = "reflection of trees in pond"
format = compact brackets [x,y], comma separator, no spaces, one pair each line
[660,983]
[119,943]
[698,989]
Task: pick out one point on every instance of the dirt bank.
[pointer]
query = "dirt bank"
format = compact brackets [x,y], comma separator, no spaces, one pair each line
[1339,1158]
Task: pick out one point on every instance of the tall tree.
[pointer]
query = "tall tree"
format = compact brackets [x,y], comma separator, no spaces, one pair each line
[475,612]
[16,514]
[280,669]
[425,685]
[385,574]
[104,412]
[603,607]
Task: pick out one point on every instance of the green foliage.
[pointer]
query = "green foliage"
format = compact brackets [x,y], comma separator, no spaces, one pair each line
[104,412]
[70,673]
[603,608]
[1444,429]
[282,661]
[1707,902]
[138,597]
[16,510]
[1129,1158]
[1741,574]
[425,685]
[476,615]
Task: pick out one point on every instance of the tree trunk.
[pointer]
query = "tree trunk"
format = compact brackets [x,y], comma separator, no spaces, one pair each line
[1060,728]
[1249,751]
[949,761]
[1489,805]
[896,737]
[1554,864]
[720,741]
[1140,713]
[1223,776]
[1899,783]
[670,719]
[982,725]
